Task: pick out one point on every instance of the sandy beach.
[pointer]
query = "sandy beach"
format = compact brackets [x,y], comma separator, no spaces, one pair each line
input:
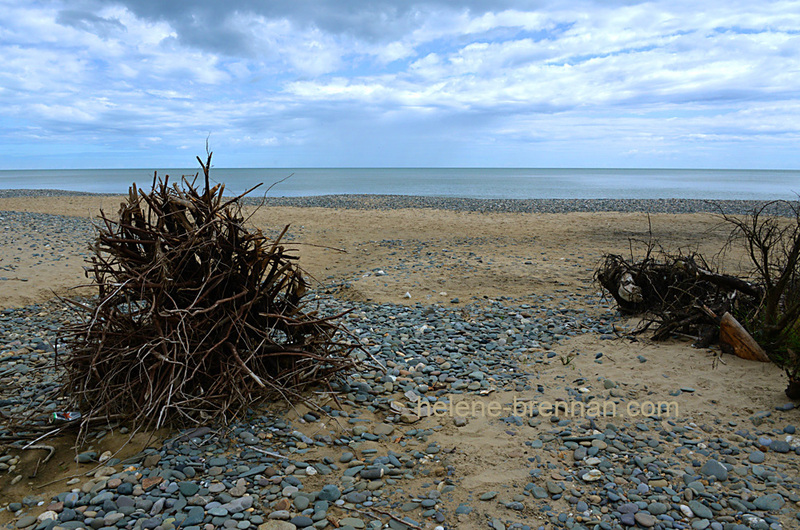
[526,279]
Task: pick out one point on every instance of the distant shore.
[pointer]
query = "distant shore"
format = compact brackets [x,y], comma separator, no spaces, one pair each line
[392,202]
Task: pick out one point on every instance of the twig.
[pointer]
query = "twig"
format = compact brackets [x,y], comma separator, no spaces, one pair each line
[269,453]
[42,446]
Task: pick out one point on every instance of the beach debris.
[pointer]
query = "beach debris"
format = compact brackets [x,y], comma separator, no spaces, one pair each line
[65,416]
[197,317]
[679,295]
[683,296]
[733,338]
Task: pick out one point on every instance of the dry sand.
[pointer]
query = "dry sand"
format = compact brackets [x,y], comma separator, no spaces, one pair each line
[437,256]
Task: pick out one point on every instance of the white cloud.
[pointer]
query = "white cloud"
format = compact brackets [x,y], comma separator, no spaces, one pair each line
[267,75]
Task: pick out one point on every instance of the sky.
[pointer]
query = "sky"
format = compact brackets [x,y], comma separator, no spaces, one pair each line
[400,83]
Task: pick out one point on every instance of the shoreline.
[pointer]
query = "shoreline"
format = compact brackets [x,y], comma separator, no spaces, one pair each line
[395,202]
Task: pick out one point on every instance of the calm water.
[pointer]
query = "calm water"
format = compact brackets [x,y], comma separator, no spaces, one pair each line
[487,183]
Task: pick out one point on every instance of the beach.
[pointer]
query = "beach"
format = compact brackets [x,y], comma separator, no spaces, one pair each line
[491,304]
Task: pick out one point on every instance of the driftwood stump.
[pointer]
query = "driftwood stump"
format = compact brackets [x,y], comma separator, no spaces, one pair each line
[197,318]
[733,338]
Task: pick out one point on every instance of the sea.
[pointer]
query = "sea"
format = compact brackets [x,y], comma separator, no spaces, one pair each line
[479,183]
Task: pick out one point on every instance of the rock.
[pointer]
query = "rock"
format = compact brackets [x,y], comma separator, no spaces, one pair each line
[592,475]
[383,429]
[239,504]
[356,497]
[553,488]
[301,521]
[657,508]
[48,515]
[188,489]
[459,421]
[100,498]
[71,499]
[301,502]
[216,487]
[489,495]
[195,516]
[372,474]
[249,438]
[67,515]
[756,457]
[645,519]
[780,446]
[770,503]
[715,469]
[352,521]
[25,522]
[539,492]
[329,493]
[700,510]
[86,457]
[277,525]
[151,460]
[149,483]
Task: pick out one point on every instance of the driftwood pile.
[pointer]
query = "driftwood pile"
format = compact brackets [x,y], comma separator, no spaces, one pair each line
[197,317]
[681,295]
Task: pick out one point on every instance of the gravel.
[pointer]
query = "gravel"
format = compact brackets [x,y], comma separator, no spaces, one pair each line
[384,202]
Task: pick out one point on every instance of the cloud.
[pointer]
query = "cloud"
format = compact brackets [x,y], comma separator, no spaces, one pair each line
[90,22]
[465,77]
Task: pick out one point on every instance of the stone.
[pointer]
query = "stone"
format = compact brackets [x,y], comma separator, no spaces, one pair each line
[553,488]
[301,502]
[329,493]
[715,469]
[195,516]
[216,487]
[355,497]
[25,522]
[149,483]
[383,429]
[780,446]
[756,457]
[301,521]
[188,489]
[48,515]
[645,519]
[352,521]
[151,460]
[71,499]
[239,504]
[770,503]
[700,510]
[277,525]
[86,457]
[592,475]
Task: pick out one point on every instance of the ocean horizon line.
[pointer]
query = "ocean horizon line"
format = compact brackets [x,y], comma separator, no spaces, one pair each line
[530,168]
[486,183]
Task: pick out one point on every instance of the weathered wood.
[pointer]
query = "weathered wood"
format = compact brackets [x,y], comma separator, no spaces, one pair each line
[734,337]
[198,317]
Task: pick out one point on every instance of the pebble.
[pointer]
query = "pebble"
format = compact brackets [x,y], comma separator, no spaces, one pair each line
[198,483]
